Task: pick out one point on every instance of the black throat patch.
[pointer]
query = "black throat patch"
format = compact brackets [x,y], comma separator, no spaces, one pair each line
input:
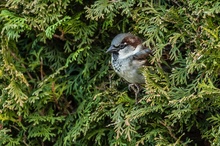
[115,62]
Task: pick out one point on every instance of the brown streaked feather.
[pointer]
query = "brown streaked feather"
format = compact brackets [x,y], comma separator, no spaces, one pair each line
[135,41]
[132,40]
[143,55]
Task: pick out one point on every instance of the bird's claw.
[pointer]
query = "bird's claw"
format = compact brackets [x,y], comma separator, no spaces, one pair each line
[136,90]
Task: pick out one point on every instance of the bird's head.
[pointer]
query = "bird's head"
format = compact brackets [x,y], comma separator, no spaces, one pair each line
[125,44]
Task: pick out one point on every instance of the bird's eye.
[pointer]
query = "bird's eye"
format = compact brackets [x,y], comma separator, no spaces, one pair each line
[123,45]
[120,46]
[116,46]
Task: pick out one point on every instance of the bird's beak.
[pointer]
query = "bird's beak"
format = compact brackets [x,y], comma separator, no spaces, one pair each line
[111,49]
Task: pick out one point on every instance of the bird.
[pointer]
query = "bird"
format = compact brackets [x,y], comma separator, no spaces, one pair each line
[128,56]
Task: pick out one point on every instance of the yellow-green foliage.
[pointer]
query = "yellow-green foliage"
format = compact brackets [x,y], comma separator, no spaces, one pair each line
[58,88]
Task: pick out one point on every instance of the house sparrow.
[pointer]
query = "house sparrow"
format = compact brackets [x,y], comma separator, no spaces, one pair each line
[128,55]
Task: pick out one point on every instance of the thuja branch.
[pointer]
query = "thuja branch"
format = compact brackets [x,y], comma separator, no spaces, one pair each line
[17,59]
[169,129]
[62,37]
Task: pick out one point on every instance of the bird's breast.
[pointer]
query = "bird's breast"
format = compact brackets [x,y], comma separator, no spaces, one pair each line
[128,69]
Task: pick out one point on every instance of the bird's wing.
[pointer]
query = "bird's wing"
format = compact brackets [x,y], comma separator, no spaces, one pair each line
[142,55]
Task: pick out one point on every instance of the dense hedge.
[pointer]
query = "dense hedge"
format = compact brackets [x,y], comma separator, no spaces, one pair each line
[57,86]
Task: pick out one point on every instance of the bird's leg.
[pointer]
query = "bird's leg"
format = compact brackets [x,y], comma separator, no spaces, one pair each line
[136,90]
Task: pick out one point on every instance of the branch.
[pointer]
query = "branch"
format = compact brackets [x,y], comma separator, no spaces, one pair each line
[16,58]
[41,69]
[60,36]
[169,129]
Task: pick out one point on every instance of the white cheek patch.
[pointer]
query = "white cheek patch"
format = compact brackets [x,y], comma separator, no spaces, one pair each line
[126,52]
[129,51]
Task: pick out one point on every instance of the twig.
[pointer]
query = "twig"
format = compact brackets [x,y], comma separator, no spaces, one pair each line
[25,139]
[176,3]
[16,58]
[41,69]
[60,36]
[169,129]
[54,95]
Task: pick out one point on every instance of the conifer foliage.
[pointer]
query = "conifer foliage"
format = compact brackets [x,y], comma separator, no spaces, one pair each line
[58,88]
